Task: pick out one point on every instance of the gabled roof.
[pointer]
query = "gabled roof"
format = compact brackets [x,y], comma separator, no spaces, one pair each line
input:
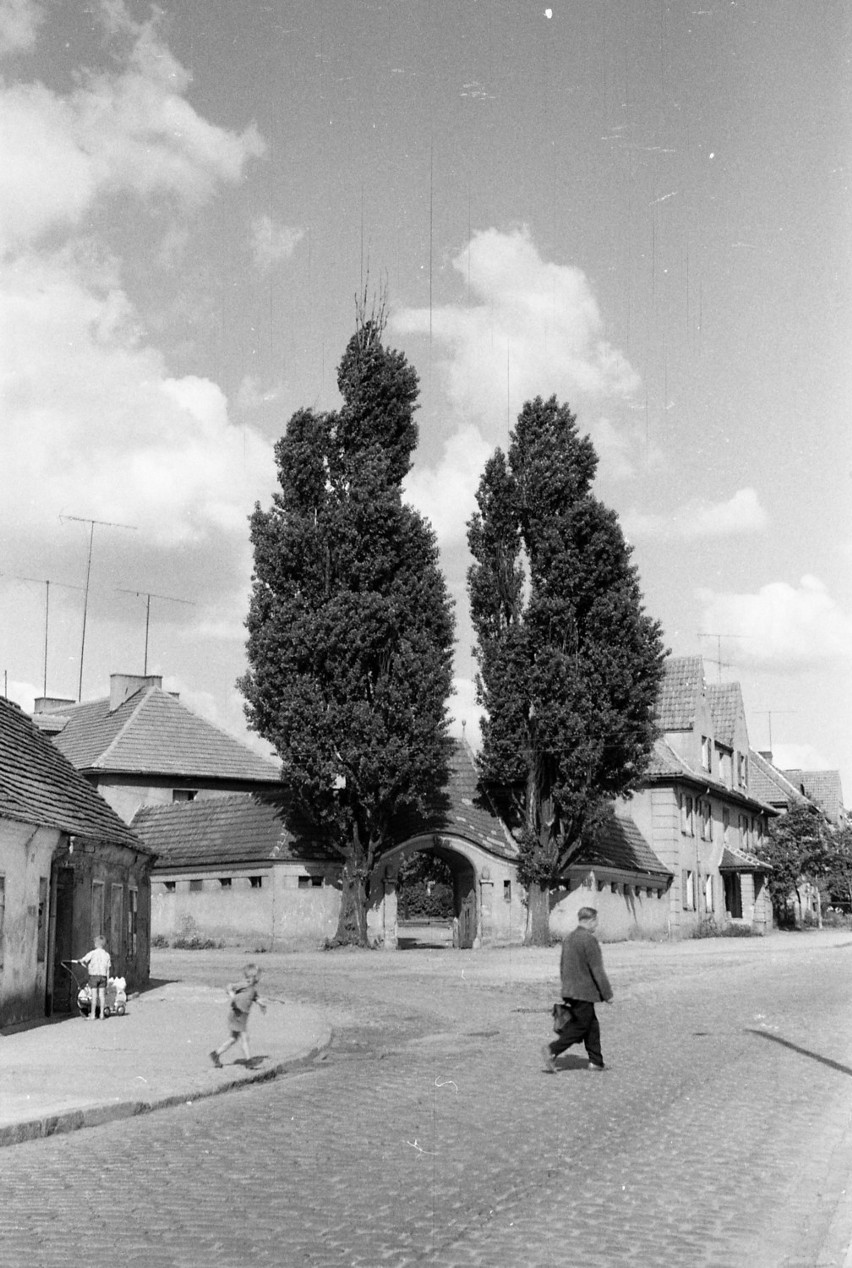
[621,846]
[769,784]
[822,787]
[726,706]
[666,765]
[223,831]
[734,860]
[682,684]
[38,785]
[465,810]
[249,828]
[152,733]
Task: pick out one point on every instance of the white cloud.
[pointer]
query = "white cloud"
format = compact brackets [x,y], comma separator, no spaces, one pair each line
[19,24]
[534,330]
[91,415]
[741,513]
[445,494]
[271,242]
[782,625]
[127,131]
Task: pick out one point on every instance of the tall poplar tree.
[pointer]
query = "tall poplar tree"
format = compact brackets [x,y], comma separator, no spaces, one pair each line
[569,663]
[350,623]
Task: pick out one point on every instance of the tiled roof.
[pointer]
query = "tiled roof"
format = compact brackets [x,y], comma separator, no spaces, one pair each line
[246,828]
[465,810]
[726,705]
[734,860]
[152,733]
[768,784]
[666,764]
[620,845]
[40,786]
[249,828]
[823,787]
[683,682]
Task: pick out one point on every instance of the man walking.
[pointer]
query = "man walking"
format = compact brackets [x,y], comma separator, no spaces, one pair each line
[584,982]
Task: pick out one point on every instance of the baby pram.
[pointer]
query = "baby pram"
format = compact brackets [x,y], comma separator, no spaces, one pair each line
[115,1000]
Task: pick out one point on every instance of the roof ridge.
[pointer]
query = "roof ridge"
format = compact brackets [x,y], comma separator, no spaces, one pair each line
[100,759]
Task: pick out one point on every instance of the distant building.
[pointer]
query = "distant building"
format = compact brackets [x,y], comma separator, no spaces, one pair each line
[140,747]
[69,870]
[697,808]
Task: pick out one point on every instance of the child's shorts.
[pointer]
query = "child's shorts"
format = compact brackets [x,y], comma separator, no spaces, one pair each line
[237,1021]
[96,980]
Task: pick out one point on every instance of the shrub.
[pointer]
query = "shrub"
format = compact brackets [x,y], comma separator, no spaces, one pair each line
[159,940]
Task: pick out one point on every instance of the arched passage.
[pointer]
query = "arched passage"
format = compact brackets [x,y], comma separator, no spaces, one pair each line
[476,874]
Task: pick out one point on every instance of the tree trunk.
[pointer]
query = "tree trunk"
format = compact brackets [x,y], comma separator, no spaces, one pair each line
[352,921]
[538,916]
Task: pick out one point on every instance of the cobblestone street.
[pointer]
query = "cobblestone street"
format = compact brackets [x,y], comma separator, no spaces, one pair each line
[720,1136]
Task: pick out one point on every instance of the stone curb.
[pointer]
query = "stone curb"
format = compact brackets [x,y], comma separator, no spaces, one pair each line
[97,1115]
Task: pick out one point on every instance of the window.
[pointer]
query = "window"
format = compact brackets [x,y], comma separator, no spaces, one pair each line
[195,886]
[305,882]
[2,917]
[169,886]
[708,894]
[706,821]
[743,826]
[41,944]
[726,826]
[97,910]
[257,882]
[688,891]
[184,794]
[116,924]
[507,891]
[225,882]
[132,921]
[686,815]
[705,752]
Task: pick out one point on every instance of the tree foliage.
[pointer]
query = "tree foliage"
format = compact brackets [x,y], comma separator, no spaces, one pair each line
[569,663]
[800,846]
[350,627]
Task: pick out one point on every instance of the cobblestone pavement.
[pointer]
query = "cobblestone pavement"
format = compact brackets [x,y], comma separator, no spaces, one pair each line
[720,1137]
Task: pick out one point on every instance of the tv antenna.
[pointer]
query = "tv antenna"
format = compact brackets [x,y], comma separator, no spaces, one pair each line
[767,713]
[168,598]
[720,664]
[82,519]
[43,581]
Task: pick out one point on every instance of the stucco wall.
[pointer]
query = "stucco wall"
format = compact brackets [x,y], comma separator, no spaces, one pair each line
[278,913]
[624,911]
[25,860]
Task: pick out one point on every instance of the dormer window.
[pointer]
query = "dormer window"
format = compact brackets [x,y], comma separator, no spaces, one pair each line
[706,753]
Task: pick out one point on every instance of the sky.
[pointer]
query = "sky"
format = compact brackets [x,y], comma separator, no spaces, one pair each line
[638,206]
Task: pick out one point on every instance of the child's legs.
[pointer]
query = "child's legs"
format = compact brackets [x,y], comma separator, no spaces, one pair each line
[245,1045]
[229,1043]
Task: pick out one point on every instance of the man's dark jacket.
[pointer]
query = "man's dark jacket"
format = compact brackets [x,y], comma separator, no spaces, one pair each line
[582,969]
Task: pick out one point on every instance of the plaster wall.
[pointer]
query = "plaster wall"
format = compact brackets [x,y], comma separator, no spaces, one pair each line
[624,911]
[278,913]
[127,796]
[25,860]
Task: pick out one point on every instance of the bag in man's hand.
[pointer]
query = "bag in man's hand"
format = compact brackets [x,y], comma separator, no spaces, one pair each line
[562,1016]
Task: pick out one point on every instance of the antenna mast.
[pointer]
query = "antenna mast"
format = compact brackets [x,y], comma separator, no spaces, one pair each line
[149,596]
[81,519]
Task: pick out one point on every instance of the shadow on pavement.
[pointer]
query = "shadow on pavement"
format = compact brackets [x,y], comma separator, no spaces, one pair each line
[805,1052]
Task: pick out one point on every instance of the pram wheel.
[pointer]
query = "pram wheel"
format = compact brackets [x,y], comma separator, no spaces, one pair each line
[107,1011]
[120,1010]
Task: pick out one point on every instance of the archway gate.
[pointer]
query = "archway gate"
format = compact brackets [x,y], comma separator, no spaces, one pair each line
[486,894]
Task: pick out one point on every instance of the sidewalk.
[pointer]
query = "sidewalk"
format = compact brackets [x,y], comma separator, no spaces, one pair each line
[76,1073]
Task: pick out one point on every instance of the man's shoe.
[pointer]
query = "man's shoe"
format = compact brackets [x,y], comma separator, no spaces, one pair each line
[214,1057]
[549,1059]
[593,1065]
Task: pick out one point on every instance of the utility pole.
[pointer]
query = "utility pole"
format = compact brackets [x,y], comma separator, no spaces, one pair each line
[767,713]
[149,596]
[47,584]
[81,519]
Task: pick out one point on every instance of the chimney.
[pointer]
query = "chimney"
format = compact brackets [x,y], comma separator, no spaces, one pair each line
[51,704]
[766,754]
[123,686]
